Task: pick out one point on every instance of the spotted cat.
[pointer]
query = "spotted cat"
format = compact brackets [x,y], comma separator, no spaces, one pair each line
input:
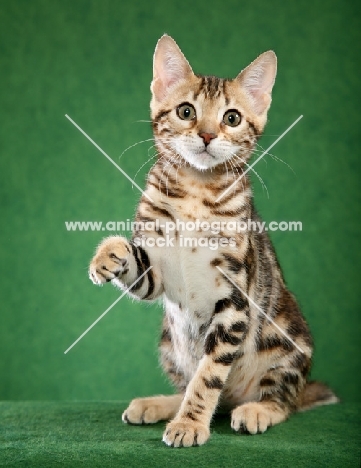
[217,346]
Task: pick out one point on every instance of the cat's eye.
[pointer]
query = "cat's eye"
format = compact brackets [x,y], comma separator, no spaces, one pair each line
[186,111]
[232,118]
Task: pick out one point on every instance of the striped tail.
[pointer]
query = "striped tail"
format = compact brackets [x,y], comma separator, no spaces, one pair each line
[316,394]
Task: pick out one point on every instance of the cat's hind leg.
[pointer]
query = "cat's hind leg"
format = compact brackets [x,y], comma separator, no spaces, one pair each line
[280,390]
[152,409]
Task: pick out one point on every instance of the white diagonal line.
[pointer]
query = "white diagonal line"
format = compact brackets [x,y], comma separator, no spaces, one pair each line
[108,157]
[258,307]
[258,159]
[108,309]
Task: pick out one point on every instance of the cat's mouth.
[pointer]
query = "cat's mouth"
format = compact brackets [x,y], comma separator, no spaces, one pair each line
[203,160]
[204,154]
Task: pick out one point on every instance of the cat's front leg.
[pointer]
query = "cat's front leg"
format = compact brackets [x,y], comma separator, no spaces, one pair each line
[223,344]
[122,262]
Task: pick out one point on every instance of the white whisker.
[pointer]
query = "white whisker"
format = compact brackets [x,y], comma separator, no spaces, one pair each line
[254,171]
[147,161]
[276,158]
[135,144]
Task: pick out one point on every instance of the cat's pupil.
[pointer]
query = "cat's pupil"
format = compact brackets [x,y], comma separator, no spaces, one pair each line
[231,119]
[187,112]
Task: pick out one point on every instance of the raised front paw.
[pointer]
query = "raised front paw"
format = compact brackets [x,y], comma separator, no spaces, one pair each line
[110,260]
[185,433]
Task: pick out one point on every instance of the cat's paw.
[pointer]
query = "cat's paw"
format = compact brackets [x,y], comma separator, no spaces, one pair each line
[110,260]
[255,418]
[185,433]
[142,411]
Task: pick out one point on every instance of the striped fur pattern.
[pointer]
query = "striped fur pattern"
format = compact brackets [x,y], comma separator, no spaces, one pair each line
[216,346]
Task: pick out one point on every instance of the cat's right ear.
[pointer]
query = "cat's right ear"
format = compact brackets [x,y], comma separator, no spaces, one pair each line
[169,67]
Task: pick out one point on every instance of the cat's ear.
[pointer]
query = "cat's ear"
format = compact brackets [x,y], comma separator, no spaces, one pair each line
[169,67]
[257,81]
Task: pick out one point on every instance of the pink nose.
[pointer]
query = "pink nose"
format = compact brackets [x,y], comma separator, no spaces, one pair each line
[207,137]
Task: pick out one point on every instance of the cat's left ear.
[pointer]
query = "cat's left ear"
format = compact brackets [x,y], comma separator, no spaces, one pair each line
[169,67]
[257,81]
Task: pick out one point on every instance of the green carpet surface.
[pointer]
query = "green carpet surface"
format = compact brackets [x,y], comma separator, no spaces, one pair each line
[66,434]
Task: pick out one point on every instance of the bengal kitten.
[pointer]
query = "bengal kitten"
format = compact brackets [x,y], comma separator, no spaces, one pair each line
[216,345]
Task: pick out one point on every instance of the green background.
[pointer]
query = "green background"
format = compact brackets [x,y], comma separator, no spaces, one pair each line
[93,61]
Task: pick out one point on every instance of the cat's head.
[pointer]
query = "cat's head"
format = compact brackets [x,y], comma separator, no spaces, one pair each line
[205,120]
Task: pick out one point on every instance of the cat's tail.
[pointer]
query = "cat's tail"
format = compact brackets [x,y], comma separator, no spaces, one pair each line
[316,394]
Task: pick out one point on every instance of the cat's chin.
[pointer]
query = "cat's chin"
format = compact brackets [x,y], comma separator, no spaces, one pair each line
[202,161]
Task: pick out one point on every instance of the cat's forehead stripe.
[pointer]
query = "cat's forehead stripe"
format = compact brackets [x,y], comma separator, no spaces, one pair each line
[211,86]
[225,93]
[200,88]
[212,89]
